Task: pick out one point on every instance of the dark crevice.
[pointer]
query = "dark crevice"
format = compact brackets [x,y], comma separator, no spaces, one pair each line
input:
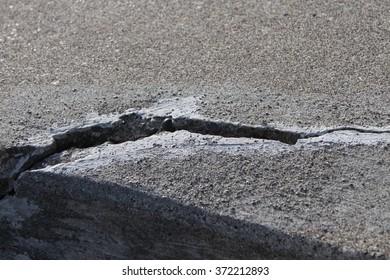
[128,128]
[131,127]
[16,160]
[225,129]
[344,128]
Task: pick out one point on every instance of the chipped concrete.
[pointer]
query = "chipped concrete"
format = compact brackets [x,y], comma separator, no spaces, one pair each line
[117,146]
[167,115]
[127,124]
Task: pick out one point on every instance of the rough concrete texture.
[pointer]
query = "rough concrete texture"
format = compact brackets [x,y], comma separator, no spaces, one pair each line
[316,68]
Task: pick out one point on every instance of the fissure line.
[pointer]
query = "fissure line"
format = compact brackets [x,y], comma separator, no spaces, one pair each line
[133,126]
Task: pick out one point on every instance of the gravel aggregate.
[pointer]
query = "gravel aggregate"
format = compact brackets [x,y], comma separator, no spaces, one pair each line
[296,64]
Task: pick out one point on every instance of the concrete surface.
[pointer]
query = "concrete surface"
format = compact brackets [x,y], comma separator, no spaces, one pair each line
[301,66]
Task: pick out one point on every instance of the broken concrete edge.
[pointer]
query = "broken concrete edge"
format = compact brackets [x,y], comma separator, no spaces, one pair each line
[130,127]
[17,159]
[133,125]
[188,107]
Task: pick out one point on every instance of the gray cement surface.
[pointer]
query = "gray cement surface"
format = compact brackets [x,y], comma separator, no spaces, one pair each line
[294,65]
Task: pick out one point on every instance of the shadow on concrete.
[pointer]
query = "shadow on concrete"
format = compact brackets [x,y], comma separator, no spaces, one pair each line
[80,218]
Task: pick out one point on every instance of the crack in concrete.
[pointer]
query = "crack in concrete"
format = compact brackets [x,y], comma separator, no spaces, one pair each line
[344,128]
[133,126]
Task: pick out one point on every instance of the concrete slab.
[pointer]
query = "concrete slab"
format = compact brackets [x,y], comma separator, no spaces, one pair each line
[260,70]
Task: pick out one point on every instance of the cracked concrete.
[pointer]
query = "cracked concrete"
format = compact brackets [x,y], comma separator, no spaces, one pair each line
[188,83]
[135,125]
[115,145]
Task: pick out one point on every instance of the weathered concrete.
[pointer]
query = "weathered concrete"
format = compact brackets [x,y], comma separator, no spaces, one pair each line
[317,70]
[276,199]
